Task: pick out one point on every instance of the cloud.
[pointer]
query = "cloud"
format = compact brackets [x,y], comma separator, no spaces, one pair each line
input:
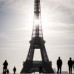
[62,9]
[60,14]
[3,36]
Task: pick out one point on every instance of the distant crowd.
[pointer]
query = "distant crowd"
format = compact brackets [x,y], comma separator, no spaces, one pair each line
[59,66]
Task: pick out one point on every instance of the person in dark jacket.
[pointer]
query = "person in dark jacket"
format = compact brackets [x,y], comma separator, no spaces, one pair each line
[70,64]
[5,64]
[14,69]
[59,65]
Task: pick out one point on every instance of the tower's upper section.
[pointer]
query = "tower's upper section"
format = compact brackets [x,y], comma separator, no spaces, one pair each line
[37,7]
[37,28]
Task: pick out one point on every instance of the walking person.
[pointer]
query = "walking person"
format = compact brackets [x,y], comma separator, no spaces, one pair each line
[70,64]
[59,65]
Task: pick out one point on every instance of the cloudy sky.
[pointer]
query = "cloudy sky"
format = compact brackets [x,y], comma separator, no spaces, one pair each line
[16,23]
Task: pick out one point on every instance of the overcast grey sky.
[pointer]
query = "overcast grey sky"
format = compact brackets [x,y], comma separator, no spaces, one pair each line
[16,22]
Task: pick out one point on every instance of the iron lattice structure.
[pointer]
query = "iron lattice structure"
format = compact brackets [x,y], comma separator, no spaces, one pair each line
[37,42]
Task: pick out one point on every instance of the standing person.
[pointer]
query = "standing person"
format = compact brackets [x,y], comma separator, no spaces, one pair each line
[73,64]
[14,69]
[5,64]
[40,69]
[59,65]
[70,63]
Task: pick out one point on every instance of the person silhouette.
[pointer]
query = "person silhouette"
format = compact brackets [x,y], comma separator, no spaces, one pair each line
[59,65]
[73,64]
[40,69]
[70,64]
[14,69]
[7,71]
[5,64]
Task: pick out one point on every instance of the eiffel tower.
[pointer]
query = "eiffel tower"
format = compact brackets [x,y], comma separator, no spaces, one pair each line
[37,42]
